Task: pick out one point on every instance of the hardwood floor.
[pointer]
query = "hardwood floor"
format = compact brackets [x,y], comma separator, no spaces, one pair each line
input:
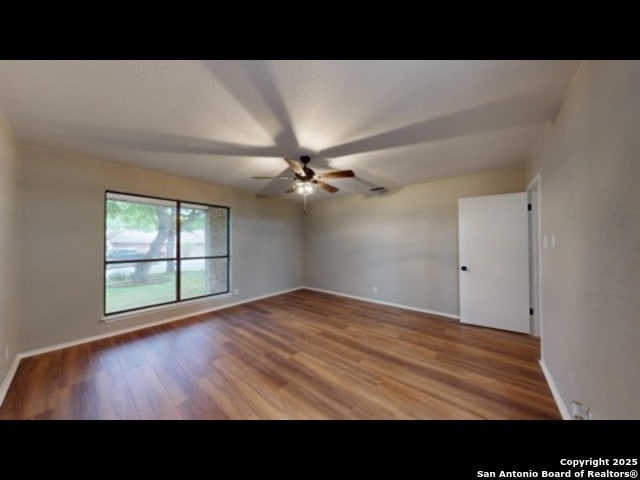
[302,355]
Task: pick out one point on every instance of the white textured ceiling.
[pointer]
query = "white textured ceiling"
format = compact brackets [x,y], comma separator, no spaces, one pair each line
[393,122]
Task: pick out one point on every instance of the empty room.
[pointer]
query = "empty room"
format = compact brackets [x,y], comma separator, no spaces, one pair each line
[306,239]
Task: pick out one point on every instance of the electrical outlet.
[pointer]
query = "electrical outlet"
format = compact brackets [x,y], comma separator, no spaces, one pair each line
[579,411]
[236,291]
[375,289]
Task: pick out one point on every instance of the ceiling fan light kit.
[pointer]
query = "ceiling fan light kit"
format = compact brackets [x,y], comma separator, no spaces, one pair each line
[304,188]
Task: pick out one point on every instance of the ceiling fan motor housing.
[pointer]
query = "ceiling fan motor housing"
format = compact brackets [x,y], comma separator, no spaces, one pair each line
[305,159]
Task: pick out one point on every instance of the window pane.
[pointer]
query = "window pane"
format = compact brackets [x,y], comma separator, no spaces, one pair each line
[142,258]
[139,284]
[203,231]
[203,277]
[139,227]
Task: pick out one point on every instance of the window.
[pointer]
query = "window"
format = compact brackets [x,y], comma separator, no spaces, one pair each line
[160,251]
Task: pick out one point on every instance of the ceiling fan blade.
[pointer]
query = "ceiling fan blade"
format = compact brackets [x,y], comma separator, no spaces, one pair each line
[295,166]
[326,186]
[339,174]
[272,178]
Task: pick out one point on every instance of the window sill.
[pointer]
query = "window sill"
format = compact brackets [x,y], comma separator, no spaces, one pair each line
[162,308]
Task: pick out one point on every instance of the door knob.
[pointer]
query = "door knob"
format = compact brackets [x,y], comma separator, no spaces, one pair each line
[464,268]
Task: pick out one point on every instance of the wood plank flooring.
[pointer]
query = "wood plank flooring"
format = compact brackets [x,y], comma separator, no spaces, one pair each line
[302,355]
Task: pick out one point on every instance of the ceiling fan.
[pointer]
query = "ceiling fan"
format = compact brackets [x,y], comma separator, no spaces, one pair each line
[305,180]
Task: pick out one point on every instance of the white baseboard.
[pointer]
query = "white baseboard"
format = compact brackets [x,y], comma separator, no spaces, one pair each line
[390,304]
[58,346]
[8,378]
[564,411]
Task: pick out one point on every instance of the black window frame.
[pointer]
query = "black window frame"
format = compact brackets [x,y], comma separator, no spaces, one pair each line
[178,258]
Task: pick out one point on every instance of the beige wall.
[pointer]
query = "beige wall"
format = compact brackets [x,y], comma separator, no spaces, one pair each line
[589,162]
[62,205]
[9,269]
[403,242]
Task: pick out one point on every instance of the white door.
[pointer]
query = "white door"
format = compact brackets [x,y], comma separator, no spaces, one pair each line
[493,249]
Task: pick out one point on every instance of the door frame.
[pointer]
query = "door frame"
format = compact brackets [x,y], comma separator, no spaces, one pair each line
[534,197]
